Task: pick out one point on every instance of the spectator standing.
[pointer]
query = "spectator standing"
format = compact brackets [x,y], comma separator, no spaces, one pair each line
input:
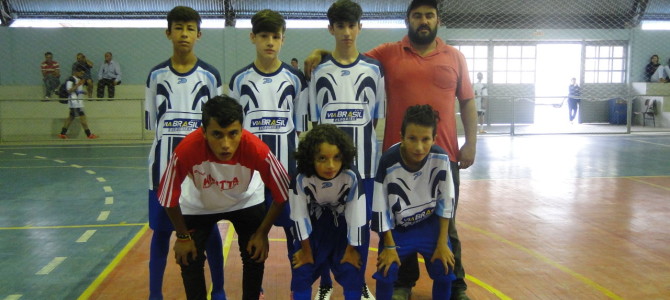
[109,76]
[294,64]
[50,74]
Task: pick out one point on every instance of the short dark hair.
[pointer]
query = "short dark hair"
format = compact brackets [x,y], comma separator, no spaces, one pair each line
[416,3]
[79,68]
[48,53]
[223,109]
[423,115]
[294,59]
[268,20]
[344,11]
[183,14]
[309,147]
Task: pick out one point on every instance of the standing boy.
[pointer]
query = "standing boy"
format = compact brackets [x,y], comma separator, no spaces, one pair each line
[175,92]
[74,91]
[347,90]
[414,200]
[223,161]
[273,96]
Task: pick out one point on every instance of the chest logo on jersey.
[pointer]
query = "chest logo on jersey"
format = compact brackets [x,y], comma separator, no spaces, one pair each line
[223,185]
[417,174]
[267,80]
[345,73]
[418,217]
[342,115]
[181,124]
[326,185]
[269,123]
[181,80]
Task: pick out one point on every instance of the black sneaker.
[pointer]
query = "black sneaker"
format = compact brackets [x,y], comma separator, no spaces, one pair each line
[324,293]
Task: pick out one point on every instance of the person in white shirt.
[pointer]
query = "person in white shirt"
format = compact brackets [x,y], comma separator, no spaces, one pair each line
[109,76]
[75,90]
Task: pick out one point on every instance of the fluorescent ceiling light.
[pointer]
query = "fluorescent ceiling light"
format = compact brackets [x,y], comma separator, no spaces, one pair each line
[655,25]
[106,23]
[246,23]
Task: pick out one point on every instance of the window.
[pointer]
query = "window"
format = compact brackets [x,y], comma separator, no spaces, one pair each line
[477,57]
[604,64]
[514,64]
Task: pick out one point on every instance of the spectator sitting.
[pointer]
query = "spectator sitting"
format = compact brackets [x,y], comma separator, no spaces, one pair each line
[655,72]
[87,65]
[109,76]
[50,74]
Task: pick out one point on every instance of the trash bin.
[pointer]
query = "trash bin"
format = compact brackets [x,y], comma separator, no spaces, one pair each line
[618,110]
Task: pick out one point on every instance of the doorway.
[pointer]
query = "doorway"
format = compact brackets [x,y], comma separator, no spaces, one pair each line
[556,64]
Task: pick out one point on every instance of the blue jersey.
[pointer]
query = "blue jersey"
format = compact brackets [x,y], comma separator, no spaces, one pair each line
[351,97]
[275,107]
[404,198]
[173,108]
[311,197]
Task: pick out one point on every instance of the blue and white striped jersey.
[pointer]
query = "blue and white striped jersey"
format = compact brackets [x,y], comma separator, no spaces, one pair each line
[311,197]
[173,108]
[404,198]
[275,107]
[351,97]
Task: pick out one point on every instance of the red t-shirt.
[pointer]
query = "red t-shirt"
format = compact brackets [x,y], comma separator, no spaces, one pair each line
[221,186]
[436,79]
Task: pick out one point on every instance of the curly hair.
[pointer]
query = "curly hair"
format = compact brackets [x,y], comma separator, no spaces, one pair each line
[422,115]
[324,133]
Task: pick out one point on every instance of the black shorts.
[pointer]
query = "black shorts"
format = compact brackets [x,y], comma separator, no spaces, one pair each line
[76,112]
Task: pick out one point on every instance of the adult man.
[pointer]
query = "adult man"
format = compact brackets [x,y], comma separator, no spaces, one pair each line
[422,69]
[294,64]
[109,76]
[50,74]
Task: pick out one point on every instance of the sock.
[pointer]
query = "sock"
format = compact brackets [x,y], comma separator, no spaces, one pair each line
[88,132]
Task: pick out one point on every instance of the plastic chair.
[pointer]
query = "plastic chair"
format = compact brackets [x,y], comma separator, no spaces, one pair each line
[649,112]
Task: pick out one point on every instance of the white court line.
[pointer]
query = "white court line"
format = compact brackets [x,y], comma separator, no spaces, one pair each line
[109,200]
[40,157]
[101,179]
[103,215]
[647,142]
[51,266]
[85,236]
[107,188]
[13,297]
[90,172]
[59,161]
[76,166]
[20,154]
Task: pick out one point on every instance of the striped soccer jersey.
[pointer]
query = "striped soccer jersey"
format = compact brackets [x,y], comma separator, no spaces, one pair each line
[173,108]
[351,97]
[275,107]
[222,186]
[311,197]
[403,198]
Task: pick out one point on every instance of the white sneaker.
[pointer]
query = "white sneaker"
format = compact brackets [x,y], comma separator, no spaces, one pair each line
[366,294]
[324,293]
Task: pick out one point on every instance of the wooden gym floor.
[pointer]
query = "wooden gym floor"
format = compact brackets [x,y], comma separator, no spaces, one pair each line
[540,217]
